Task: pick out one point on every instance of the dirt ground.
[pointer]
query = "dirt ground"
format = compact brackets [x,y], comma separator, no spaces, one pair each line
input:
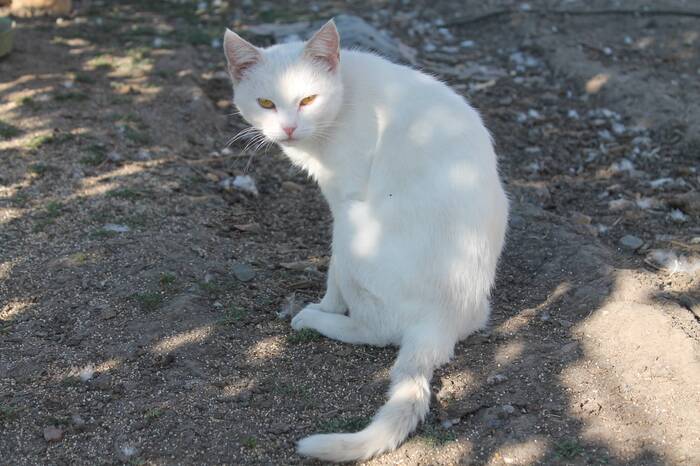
[139,299]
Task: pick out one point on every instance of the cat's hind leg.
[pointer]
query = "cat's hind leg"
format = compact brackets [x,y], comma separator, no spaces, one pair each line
[336,326]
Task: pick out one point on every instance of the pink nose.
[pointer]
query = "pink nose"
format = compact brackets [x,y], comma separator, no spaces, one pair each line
[289,130]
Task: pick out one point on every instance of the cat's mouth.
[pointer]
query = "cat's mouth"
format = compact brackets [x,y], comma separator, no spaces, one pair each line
[290,140]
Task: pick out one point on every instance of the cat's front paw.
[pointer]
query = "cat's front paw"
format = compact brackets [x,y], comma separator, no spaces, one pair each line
[304,318]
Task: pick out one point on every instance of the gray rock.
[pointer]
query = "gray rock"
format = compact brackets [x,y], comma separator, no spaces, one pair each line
[508,409]
[243,272]
[114,156]
[688,202]
[354,31]
[78,422]
[523,60]
[116,228]
[580,219]
[617,205]
[631,242]
[53,434]
[279,428]
[125,450]
[496,379]
[144,155]
[243,183]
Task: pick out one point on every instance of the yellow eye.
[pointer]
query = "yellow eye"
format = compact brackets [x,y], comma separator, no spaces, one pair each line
[307,100]
[266,103]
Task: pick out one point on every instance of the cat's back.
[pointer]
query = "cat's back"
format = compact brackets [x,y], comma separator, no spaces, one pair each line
[423,138]
[410,105]
[378,81]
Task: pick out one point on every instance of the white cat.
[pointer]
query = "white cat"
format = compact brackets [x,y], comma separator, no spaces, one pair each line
[419,212]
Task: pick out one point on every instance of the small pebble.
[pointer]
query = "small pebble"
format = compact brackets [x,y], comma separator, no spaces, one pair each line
[619,204]
[114,156]
[116,228]
[631,242]
[580,219]
[243,272]
[144,155]
[496,379]
[678,216]
[619,128]
[87,372]
[605,135]
[243,183]
[53,434]
[291,186]
[623,165]
[78,422]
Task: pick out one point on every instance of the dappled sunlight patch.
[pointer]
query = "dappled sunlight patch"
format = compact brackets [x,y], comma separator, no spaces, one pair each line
[98,185]
[381,376]
[108,365]
[16,307]
[635,388]
[135,61]
[509,352]
[523,318]
[17,83]
[5,268]
[76,259]
[238,388]
[93,189]
[8,214]
[87,372]
[463,175]
[265,349]
[528,452]
[457,385]
[368,230]
[443,442]
[172,343]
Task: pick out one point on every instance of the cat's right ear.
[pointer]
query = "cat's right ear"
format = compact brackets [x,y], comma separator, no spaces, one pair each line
[240,55]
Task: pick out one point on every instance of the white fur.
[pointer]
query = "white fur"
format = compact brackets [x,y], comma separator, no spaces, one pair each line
[419,216]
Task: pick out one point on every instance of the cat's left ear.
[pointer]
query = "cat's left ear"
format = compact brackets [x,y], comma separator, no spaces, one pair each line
[240,55]
[324,46]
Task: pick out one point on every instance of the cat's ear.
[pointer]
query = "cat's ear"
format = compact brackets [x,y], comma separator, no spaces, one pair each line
[324,46]
[240,55]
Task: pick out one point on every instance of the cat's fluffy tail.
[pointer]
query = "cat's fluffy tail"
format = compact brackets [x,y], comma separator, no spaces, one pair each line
[422,350]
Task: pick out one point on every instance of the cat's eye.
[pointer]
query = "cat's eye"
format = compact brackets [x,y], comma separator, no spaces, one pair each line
[307,100]
[266,103]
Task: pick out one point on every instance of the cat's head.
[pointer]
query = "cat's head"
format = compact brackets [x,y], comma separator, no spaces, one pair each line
[290,92]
